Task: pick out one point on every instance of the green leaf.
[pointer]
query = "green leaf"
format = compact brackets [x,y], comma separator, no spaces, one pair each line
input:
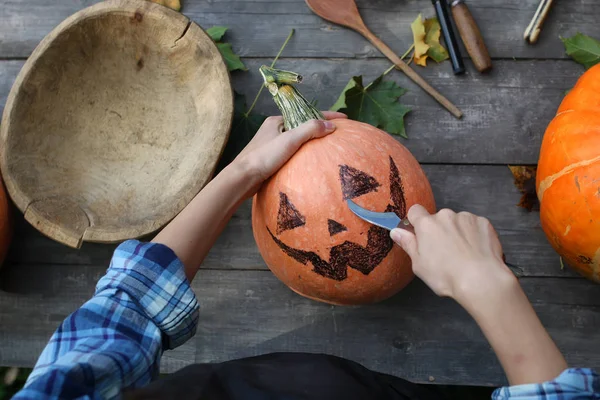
[243,129]
[216,32]
[583,49]
[436,51]
[232,60]
[376,104]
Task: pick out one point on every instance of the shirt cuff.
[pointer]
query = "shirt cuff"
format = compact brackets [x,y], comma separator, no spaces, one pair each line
[154,277]
[573,383]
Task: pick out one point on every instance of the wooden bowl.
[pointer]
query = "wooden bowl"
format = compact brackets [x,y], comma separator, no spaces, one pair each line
[115,122]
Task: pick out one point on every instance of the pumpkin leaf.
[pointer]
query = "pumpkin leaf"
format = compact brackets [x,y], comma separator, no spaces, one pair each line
[525,182]
[216,33]
[243,128]
[232,60]
[583,49]
[436,51]
[421,47]
[376,104]
[173,4]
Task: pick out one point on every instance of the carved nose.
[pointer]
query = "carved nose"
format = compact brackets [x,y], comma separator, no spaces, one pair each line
[335,227]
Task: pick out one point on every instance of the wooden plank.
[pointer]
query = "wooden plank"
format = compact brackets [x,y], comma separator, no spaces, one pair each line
[243,313]
[414,335]
[506,112]
[484,190]
[42,297]
[258,28]
[8,73]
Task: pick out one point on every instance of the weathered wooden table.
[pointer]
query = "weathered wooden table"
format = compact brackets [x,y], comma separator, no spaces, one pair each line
[244,310]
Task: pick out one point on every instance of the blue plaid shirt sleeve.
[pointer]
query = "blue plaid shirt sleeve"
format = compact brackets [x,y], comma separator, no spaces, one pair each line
[142,306]
[572,384]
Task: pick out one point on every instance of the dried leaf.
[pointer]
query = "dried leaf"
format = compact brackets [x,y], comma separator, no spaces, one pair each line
[525,182]
[422,61]
[216,33]
[173,4]
[376,104]
[436,51]
[418,30]
[583,49]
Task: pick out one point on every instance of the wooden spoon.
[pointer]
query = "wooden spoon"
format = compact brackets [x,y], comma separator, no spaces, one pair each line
[345,12]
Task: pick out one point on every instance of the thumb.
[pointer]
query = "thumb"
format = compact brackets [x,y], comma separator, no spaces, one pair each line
[405,239]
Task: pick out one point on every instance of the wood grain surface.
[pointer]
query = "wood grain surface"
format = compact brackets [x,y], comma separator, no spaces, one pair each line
[245,310]
[259,27]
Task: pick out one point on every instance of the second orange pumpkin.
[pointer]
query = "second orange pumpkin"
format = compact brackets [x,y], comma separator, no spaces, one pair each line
[568,177]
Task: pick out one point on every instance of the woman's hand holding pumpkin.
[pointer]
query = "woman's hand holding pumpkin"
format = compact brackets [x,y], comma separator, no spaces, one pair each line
[192,233]
[271,147]
[460,256]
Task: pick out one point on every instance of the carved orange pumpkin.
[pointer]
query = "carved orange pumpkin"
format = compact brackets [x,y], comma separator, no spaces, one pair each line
[307,235]
[568,177]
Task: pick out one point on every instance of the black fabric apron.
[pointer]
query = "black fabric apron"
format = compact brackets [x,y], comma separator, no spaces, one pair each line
[281,376]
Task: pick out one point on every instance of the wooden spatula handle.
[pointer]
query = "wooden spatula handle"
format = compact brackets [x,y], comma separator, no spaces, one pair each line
[471,36]
[401,65]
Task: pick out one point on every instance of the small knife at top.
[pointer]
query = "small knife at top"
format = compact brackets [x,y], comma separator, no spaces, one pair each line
[386,220]
[471,36]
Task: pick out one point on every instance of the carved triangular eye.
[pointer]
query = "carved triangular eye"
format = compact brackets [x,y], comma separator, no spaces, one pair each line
[288,216]
[335,227]
[397,190]
[356,183]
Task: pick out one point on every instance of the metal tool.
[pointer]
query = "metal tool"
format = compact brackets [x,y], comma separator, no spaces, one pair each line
[387,220]
[441,9]
[532,32]
[345,13]
[471,36]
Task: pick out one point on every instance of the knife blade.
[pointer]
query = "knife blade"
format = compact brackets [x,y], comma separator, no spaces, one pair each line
[386,220]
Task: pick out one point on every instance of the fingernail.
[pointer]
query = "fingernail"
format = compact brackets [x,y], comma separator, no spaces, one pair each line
[329,126]
[396,235]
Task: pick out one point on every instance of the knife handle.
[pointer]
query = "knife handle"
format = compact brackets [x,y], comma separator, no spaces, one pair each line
[406,225]
[471,36]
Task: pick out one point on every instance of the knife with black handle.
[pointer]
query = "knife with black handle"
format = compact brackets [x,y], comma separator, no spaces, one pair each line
[446,27]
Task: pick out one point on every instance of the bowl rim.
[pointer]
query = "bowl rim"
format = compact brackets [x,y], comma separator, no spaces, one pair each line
[98,233]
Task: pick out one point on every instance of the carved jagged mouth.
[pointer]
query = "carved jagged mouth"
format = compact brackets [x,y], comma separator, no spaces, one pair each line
[364,259]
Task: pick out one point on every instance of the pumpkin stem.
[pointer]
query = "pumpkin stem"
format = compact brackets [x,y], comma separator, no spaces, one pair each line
[294,107]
